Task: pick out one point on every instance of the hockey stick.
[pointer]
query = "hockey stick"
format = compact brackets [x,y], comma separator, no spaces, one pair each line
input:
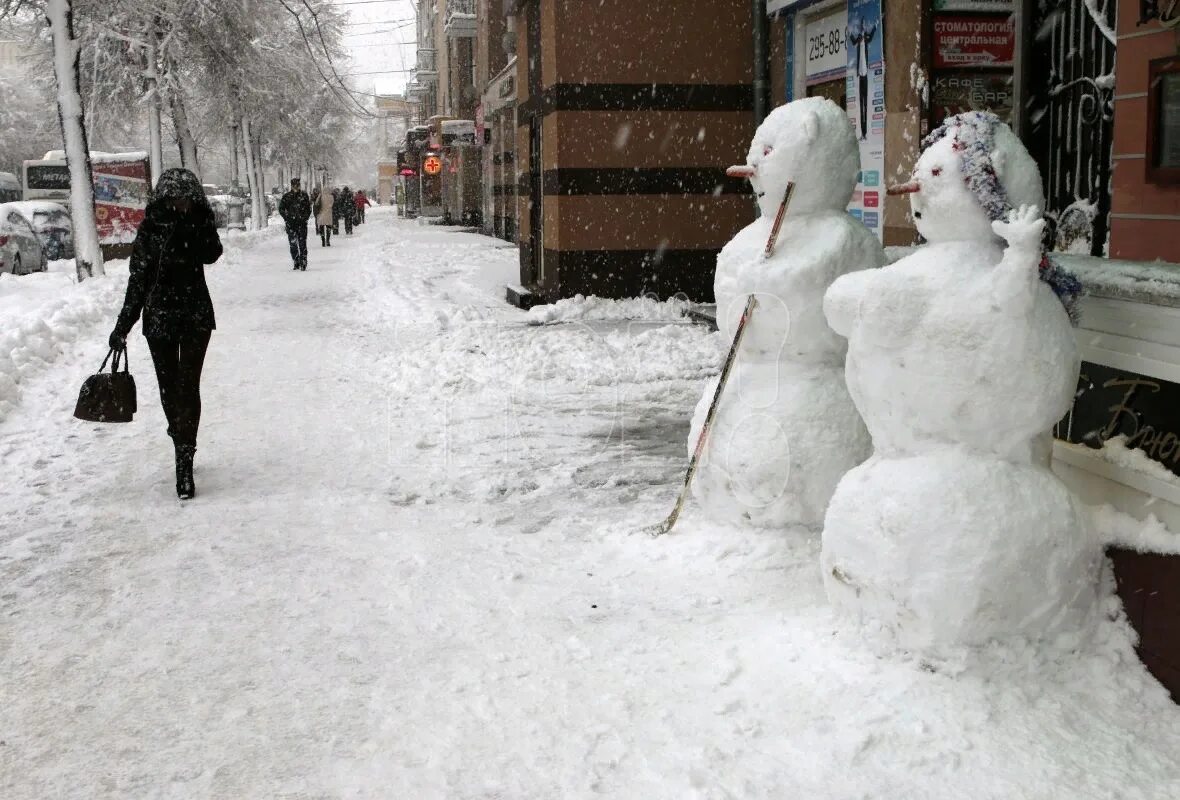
[778,220]
[666,525]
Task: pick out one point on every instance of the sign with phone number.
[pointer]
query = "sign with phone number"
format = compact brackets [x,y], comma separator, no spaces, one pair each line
[825,44]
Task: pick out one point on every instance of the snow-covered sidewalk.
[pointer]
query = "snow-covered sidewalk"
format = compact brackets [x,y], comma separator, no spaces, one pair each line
[411,572]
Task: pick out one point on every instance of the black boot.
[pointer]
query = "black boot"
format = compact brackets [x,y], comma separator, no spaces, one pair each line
[186,489]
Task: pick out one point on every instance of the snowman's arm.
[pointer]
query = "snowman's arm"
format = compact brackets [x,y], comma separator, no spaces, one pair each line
[1016,277]
[843,298]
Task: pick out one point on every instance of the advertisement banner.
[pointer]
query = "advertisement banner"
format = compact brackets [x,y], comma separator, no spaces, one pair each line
[963,41]
[866,108]
[121,192]
[825,45]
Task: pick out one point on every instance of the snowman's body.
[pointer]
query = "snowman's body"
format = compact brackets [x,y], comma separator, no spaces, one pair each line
[960,360]
[785,429]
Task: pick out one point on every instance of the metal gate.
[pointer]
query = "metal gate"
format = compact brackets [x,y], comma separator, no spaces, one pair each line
[1070,116]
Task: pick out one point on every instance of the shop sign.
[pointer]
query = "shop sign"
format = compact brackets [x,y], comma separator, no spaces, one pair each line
[956,93]
[432,165]
[865,81]
[966,41]
[1112,402]
[825,44]
[976,6]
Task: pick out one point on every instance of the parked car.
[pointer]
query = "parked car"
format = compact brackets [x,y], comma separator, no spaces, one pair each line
[20,249]
[51,222]
[10,189]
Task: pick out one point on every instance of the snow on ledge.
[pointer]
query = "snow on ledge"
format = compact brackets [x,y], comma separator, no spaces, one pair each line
[599,309]
[1143,536]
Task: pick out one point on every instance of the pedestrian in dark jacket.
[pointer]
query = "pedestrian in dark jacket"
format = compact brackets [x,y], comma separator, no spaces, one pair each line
[176,239]
[360,201]
[345,208]
[295,208]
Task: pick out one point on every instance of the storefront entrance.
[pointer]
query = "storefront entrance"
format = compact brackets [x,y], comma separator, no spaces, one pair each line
[1070,117]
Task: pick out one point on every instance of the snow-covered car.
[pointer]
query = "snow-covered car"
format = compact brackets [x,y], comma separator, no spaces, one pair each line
[51,222]
[20,249]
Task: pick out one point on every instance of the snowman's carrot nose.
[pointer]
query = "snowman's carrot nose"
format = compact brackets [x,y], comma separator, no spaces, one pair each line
[741,171]
[904,188]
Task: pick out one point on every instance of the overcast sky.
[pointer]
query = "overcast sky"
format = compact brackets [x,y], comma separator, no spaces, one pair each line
[380,36]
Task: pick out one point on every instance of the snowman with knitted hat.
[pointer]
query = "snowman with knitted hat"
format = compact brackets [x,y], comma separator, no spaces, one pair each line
[784,429]
[961,357]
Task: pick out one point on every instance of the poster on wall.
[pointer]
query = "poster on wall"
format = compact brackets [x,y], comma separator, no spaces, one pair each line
[974,41]
[866,107]
[957,92]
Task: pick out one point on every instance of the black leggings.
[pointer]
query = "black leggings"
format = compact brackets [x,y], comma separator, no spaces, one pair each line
[178,369]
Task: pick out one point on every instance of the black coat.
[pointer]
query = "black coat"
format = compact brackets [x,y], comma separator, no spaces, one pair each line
[295,207]
[343,206]
[167,282]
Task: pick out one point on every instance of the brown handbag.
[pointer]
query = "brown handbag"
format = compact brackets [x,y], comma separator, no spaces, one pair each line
[108,396]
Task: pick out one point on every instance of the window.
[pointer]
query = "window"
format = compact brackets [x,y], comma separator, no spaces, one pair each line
[1163,121]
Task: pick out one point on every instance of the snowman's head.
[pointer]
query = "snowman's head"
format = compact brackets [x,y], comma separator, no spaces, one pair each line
[807,142]
[973,172]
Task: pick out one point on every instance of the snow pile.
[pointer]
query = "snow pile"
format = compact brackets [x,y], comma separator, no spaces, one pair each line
[44,314]
[601,309]
[379,550]
[960,360]
[785,430]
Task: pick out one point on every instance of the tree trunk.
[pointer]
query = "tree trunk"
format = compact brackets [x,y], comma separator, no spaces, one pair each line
[236,177]
[251,175]
[263,209]
[60,15]
[152,78]
[184,134]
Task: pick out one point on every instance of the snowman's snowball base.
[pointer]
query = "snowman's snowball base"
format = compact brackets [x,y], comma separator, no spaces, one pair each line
[949,549]
[783,437]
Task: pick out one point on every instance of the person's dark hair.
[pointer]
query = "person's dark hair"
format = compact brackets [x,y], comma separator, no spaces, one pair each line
[176,183]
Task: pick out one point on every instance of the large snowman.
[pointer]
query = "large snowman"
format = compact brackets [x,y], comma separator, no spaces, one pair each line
[785,428]
[961,357]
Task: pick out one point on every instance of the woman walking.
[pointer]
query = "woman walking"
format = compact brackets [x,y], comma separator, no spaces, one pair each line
[321,206]
[176,239]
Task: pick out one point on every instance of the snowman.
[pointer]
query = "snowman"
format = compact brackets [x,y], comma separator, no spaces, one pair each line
[785,430]
[961,357]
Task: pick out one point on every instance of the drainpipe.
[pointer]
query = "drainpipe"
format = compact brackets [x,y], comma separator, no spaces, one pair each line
[761,67]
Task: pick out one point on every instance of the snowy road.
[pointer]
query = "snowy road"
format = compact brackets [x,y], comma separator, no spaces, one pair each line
[408,574]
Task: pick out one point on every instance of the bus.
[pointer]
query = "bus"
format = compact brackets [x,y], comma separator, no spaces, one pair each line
[122,186]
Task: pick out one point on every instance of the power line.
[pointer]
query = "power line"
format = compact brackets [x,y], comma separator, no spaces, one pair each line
[379,44]
[376,72]
[407,20]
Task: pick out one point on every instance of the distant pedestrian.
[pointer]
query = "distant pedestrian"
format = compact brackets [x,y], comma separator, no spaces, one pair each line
[346,208]
[295,208]
[321,206]
[361,201]
[177,238]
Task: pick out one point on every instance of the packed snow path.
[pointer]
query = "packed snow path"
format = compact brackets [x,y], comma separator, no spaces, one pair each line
[410,573]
